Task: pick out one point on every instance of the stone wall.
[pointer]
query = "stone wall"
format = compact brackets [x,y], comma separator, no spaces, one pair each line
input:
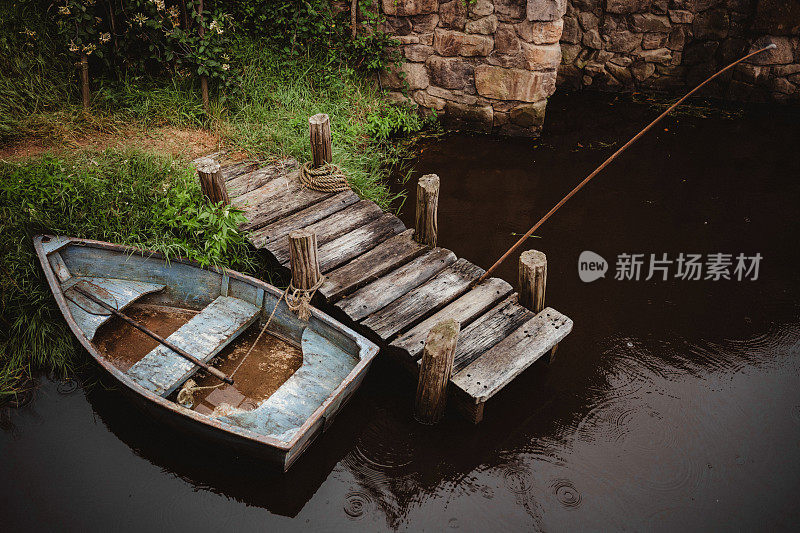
[484,64]
[627,45]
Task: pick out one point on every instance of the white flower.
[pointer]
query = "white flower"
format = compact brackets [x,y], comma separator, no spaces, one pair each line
[159,5]
[73,47]
[64,10]
[88,49]
[214,26]
[139,19]
[105,37]
[225,66]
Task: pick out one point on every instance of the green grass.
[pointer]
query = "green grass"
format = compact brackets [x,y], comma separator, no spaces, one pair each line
[130,198]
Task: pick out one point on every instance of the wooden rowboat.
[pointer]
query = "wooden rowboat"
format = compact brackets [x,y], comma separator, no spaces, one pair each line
[286,390]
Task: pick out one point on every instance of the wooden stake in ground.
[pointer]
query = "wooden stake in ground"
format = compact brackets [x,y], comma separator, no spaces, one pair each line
[211,181]
[353,18]
[85,94]
[434,374]
[304,260]
[203,77]
[532,279]
[321,146]
[427,226]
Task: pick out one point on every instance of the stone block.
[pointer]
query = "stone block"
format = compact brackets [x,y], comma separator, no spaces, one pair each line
[397,98]
[781,55]
[659,55]
[450,73]
[528,115]
[540,32]
[677,38]
[429,101]
[506,40]
[711,25]
[641,71]
[413,74]
[569,52]
[514,84]
[591,39]
[571,31]
[453,15]
[541,56]
[453,43]
[626,7]
[588,21]
[481,8]
[544,10]
[458,115]
[620,73]
[417,52]
[404,8]
[425,23]
[483,26]
[510,10]
[644,22]
[623,41]
[408,39]
[654,40]
[681,16]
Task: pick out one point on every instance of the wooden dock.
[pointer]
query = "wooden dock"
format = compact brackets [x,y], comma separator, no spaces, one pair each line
[391,288]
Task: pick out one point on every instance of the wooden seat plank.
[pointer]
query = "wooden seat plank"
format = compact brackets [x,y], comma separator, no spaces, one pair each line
[464,310]
[425,300]
[208,332]
[366,268]
[250,181]
[488,330]
[339,251]
[490,372]
[276,232]
[336,225]
[396,283]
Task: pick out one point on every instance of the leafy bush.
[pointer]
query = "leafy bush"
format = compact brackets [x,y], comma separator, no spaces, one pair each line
[127,198]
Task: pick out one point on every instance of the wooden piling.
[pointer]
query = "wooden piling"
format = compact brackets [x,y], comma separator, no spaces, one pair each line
[427,226]
[532,279]
[211,181]
[435,371]
[85,93]
[303,258]
[320,130]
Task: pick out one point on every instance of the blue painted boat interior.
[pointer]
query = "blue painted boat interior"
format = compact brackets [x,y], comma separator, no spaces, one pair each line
[227,307]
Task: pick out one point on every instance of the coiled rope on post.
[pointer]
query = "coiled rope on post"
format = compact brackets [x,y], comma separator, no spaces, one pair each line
[327,178]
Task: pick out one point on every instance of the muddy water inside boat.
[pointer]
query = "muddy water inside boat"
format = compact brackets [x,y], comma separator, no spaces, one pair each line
[673,405]
[270,363]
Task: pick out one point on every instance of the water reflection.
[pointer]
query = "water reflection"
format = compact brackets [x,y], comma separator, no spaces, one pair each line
[671,405]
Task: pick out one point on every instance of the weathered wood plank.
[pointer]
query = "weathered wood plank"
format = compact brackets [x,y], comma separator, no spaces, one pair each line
[464,310]
[489,329]
[485,376]
[250,181]
[395,284]
[336,225]
[366,268]
[280,197]
[237,169]
[277,231]
[339,251]
[424,300]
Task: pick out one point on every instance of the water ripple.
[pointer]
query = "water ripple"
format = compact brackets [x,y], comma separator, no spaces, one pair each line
[565,492]
[357,503]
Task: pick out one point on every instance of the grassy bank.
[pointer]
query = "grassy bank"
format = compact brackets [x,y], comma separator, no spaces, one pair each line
[150,199]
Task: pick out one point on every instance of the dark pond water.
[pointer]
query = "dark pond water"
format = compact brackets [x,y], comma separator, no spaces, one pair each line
[673,405]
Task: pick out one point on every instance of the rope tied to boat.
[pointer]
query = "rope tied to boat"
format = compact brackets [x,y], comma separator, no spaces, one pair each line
[297,300]
[327,178]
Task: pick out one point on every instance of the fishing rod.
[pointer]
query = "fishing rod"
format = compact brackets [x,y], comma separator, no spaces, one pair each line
[613,156]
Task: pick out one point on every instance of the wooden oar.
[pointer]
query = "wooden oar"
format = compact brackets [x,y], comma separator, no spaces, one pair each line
[210,369]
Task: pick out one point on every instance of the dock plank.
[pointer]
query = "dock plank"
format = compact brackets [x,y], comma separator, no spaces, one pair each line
[395,284]
[488,330]
[426,299]
[464,310]
[280,197]
[366,268]
[235,170]
[485,376]
[250,181]
[332,227]
[264,237]
[339,251]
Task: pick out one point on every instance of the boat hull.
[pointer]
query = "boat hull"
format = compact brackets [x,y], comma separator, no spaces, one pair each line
[234,439]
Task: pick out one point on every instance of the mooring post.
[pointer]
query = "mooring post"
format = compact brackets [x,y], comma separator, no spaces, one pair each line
[211,181]
[320,128]
[434,373]
[533,283]
[303,257]
[427,227]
